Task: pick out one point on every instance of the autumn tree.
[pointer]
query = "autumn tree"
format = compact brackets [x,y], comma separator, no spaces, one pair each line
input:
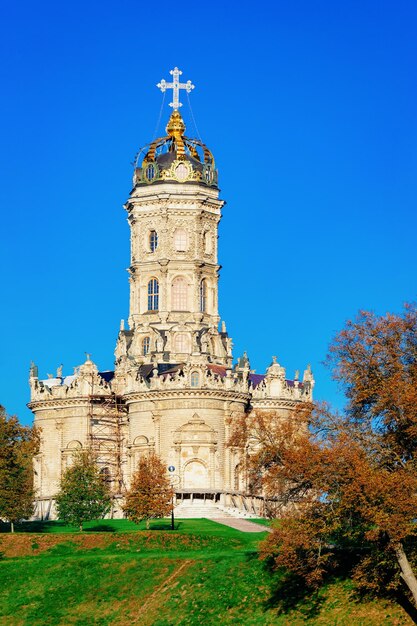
[84,494]
[150,494]
[18,444]
[345,486]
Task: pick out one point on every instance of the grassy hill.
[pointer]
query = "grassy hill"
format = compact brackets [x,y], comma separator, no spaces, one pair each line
[202,573]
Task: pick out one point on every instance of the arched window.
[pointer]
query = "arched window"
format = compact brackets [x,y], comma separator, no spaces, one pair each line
[153,295]
[208,174]
[153,240]
[180,240]
[179,294]
[146,344]
[150,171]
[195,379]
[182,342]
[74,445]
[203,296]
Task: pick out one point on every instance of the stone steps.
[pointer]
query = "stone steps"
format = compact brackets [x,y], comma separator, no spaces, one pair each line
[207,509]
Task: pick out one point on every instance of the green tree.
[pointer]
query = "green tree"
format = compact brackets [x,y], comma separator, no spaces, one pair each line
[150,494]
[18,444]
[84,495]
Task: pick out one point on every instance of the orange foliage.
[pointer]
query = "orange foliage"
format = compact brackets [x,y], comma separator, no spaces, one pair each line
[345,486]
[150,494]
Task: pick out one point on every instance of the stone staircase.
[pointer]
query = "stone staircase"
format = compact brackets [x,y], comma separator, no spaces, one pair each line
[200,508]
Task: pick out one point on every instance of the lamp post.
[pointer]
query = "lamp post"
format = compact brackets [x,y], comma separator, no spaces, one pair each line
[174,480]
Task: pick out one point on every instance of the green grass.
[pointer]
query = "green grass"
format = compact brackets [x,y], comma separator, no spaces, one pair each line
[261,520]
[203,572]
[113,525]
[123,525]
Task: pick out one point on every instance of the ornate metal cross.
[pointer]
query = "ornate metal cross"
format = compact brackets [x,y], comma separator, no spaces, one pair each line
[175,86]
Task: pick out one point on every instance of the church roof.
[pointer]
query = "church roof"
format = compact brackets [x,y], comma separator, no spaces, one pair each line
[217,369]
[256,379]
[108,375]
[291,383]
[54,382]
[67,380]
[146,369]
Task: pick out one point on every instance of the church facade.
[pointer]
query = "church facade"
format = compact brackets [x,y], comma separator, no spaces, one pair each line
[175,390]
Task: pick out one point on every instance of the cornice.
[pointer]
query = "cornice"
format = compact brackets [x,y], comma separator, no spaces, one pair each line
[190,265]
[145,206]
[55,403]
[169,191]
[280,403]
[163,394]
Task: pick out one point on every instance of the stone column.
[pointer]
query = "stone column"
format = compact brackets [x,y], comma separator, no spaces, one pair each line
[227,472]
[178,468]
[212,467]
[156,418]
[59,425]
[163,287]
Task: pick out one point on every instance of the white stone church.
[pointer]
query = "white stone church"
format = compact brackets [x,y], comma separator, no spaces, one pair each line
[174,390]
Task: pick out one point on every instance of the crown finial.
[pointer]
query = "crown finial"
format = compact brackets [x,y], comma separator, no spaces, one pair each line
[175,126]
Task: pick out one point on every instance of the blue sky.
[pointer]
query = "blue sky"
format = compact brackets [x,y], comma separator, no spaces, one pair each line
[310,110]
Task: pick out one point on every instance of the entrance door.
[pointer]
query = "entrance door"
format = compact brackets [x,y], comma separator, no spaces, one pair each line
[195,475]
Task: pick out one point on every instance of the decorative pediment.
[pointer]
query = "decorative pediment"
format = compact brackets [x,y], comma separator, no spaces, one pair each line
[74,445]
[195,432]
[141,440]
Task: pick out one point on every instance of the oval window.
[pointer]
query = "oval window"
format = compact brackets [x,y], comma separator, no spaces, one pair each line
[181,172]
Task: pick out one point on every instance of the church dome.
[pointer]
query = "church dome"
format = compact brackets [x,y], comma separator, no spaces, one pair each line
[175,158]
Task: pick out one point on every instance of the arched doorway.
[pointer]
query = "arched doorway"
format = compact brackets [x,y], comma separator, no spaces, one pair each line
[195,475]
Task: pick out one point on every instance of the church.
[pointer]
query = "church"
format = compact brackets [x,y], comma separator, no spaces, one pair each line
[175,389]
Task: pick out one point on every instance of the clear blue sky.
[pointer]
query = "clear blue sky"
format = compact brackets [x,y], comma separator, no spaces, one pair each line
[310,110]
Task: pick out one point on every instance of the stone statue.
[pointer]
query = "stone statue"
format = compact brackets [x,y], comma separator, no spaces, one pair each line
[159,344]
[202,340]
[197,341]
[33,370]
[204,344]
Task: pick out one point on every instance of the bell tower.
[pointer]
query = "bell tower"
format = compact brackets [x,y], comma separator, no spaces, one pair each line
[173,212]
